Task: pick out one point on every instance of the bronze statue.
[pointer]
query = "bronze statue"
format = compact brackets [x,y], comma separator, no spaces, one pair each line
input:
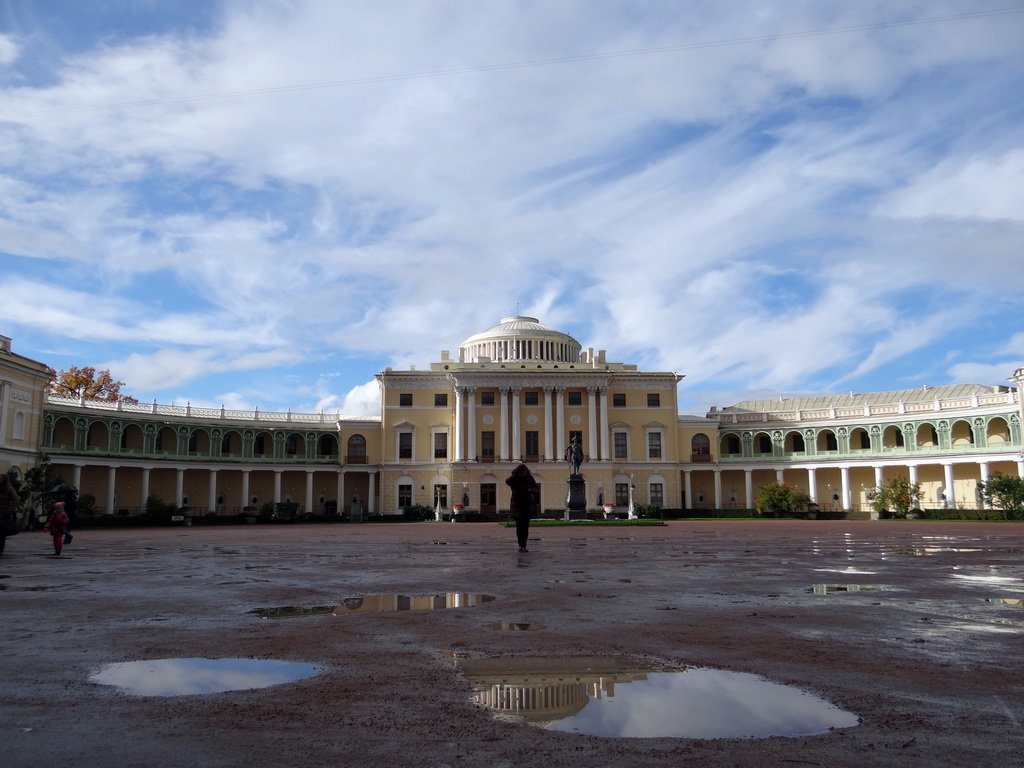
[574,455]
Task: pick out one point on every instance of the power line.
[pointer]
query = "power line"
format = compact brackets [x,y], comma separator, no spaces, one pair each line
[398,77]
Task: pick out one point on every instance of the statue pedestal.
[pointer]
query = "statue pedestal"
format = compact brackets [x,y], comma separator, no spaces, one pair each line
[576,499]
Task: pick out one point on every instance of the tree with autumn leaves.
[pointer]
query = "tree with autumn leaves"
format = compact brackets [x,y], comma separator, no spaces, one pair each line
[86,382]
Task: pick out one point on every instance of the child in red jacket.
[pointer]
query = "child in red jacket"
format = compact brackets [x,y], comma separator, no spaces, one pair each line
[56,526]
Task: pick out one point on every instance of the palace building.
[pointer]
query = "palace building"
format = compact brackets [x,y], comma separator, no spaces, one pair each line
[449,434]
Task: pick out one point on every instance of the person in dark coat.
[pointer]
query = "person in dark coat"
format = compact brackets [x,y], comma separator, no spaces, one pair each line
[9,504]
[522,484]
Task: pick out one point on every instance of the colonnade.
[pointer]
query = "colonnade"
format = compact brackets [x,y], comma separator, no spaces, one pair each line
[110,500]
[846,491]
[509,438]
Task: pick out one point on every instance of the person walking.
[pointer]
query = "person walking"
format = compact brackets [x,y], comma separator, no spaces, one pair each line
[521,507]
[9,504]
[56,526]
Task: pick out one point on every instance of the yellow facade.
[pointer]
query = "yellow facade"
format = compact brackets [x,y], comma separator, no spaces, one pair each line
[448,435]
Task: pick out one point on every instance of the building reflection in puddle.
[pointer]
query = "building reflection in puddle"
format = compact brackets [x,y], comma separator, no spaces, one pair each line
[832,589]
[379,604]
[613,697]
[183,677]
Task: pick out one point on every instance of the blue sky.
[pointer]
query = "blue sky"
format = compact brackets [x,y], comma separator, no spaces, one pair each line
[262,204]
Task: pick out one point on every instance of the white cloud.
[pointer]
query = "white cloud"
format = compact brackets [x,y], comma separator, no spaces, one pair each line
[9,50]
[762,211]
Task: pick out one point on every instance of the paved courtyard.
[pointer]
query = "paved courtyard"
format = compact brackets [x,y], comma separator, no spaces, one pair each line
[915,627]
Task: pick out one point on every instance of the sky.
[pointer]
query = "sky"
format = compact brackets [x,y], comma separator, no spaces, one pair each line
[264,203]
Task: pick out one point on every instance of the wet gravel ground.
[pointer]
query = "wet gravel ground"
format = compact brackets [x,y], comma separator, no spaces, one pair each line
[916,627]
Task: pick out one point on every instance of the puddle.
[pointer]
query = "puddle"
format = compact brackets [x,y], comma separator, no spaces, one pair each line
[379,604]
[184,677]
[6,588]
[1006,602]
[831,589]
[852,571]
[514,626]
[617,698]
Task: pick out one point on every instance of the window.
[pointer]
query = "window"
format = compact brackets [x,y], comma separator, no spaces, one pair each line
[531,397]
[291,446]
[193,443]
[575,398]
[620,445]
[658,494]
[621,494]
[440,400]
[225,444]
[405,399]
[654,445]
[653,399]
[356,450]
[19,426]
[405,445]
[618,399]
[700,445]
[404,496]
[764,444]
[487,398]
[440,445]
[831,444]
[487,446]
[488,497]
[532,445]
[259,445]
[865,441]
[732,445]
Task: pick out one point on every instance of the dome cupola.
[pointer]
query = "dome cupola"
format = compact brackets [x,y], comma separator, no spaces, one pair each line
[521,338]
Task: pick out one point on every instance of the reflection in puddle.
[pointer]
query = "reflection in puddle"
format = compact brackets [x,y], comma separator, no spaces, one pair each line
[1006,602]
[831,589]
[6,588]
[182,677]
[379,604]
[854,571]
[514,626]
[617,698]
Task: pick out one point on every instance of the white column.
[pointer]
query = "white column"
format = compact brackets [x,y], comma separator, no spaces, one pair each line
[144,491]
[844,473]
[341,491]
[812,484]
[983,467]
[549,443]
[879,476]
[371,503]
[947,471]
[471,424]
[592,421]
[309,492]
[179,488]
[211,498]
[718,489]
[912,471]
[748,488]
[245,487]
[688,488]
[560,422]
[111,488]
[605,448]
[503,437]
[277,486]
[517,448]
[780,476]
[77,476]
[459,455]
